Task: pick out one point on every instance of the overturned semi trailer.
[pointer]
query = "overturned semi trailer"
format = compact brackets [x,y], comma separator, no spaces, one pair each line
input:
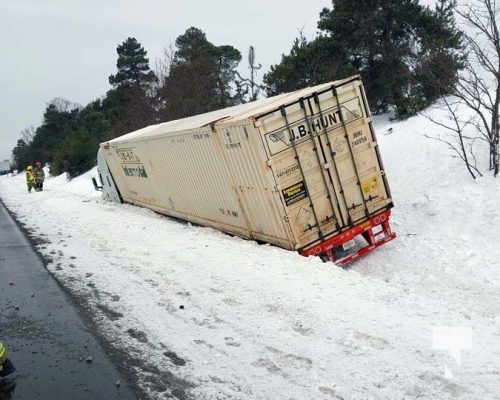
[300,170]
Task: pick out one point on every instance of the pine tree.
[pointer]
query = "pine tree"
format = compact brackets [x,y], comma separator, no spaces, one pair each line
[130,104]
[57,124]
[396,45]
[132,65]
[378,39]
[22,155]
[439,57]
[200,76]
[308,64]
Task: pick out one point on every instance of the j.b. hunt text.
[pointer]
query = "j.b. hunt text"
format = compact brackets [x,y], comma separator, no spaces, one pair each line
[316,125]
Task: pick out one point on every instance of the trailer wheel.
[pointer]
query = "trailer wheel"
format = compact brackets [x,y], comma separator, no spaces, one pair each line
[324,257]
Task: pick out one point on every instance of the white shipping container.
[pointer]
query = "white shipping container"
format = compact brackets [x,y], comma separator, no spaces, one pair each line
[295,170]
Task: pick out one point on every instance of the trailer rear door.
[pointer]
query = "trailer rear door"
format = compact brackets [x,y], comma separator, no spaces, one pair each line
[325,161]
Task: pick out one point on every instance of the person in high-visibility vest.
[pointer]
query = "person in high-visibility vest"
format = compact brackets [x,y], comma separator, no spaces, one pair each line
[6,366]
[39,175]
[3,354]
[8,376]
[30,178]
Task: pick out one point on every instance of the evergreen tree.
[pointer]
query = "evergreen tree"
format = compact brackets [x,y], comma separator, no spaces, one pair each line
[69,136]
[227,59]
[22,155]
[308,64]
[93,119]
[378,39]
[130,104]
[438,59]
[129,108]
[398,46]
[77,152]
[132,65]
[200,76]
[56,125]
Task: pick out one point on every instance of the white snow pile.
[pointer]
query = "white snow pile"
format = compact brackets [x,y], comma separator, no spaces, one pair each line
[210,316]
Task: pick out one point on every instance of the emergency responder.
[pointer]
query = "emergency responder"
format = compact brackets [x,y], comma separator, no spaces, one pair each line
[7,375]
[39,175]
[6,366]
[3,356]
[30,178]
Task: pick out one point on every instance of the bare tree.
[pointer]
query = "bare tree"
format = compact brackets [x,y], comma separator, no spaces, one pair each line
[458,141]
[63,105]
[27,134]
[478,84]
[162,69]
[163,64]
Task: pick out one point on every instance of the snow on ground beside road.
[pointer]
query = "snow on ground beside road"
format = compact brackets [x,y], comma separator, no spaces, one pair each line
[207,315]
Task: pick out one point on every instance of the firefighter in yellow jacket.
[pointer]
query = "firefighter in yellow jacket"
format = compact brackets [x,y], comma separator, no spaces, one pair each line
[3,355]
[39,175]
[7,375]
[6,366]
[30,178]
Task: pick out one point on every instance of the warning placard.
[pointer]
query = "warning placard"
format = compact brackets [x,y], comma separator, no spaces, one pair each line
[294,193]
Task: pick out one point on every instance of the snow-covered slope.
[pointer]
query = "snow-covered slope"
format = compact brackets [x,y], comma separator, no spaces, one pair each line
[211,316]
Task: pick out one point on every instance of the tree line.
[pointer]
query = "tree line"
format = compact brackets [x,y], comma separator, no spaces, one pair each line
[408,55]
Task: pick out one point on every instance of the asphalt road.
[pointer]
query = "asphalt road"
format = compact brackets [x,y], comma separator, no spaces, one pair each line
[55,354]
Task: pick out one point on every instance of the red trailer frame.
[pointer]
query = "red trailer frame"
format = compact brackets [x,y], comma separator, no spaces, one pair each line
[376,231]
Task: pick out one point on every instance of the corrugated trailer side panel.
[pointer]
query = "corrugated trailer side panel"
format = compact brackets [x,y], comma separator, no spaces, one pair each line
[187,178]
[248,164]
[193,178]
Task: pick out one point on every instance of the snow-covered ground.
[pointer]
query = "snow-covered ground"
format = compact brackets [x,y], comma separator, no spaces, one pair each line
[208,316]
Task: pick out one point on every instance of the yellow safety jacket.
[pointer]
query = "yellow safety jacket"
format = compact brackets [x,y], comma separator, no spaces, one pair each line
[3,355]
[29,177]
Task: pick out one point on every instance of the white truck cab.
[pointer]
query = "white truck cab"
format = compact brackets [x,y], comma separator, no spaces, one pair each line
[109,190]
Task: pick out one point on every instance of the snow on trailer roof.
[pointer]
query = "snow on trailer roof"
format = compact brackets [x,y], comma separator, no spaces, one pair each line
[230,114]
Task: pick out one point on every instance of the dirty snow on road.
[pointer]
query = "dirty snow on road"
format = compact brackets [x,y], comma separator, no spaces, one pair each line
[205,315]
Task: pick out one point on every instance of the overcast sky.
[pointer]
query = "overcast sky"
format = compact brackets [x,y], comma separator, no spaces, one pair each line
[67,48]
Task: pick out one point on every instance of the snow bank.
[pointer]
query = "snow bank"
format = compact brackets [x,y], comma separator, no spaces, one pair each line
[218,317]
